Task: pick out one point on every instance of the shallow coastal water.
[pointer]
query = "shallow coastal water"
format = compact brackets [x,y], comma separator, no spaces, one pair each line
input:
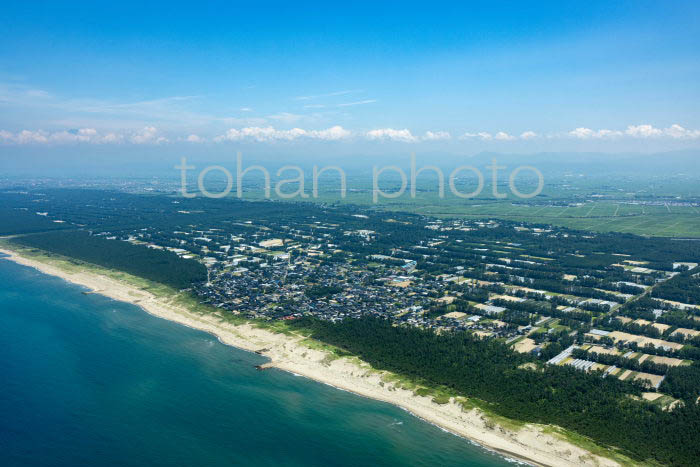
[88,380]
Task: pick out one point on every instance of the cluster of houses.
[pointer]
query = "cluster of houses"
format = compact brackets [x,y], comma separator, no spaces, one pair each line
[490,287]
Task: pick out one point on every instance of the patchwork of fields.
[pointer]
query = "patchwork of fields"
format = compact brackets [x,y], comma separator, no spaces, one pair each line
[664,220]
[603,216]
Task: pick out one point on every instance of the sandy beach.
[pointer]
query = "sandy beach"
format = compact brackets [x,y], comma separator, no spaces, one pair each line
[530,443]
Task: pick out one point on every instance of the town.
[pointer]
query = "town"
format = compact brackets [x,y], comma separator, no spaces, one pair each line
[600,302]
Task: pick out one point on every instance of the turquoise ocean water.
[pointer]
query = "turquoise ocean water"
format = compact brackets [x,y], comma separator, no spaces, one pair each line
[90,381]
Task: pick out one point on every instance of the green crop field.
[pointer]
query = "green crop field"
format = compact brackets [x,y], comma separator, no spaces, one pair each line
[671,221]
[596,205]
[601,216]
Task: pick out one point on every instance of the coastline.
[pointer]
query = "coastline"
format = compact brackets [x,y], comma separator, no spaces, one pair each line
[531,443]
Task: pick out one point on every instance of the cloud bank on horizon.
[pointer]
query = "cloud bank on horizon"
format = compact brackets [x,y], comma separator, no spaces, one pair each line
[151,135]
[475,76]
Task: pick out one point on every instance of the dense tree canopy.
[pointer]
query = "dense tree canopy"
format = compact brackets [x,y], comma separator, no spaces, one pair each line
[486,369]
[160,266]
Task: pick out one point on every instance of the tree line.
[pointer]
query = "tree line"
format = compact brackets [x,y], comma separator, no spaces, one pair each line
[160,266]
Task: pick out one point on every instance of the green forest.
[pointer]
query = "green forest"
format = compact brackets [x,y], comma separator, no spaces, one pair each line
[600,408]
[16,221]
[159,266]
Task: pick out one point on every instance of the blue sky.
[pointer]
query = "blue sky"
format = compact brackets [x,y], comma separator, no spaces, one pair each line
[509,76]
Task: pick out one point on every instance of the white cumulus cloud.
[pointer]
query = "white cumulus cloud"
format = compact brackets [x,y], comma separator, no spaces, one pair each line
[112,138]
[82,135]
[608,133]
[331,134]
[436,135]
[582,133]
[481,135]
[503,136]
[6,136]
[147,135]
[649,131]
[678,132]
[152,135]
[587,133]
[26,136]
[391,134]
[264,134]
[643,131]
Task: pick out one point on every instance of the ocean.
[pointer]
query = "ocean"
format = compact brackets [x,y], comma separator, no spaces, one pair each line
[87,380]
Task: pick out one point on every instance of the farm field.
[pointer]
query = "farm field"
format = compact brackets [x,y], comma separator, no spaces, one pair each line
[603,216]
[670,209]
[582,212]
[665,220]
